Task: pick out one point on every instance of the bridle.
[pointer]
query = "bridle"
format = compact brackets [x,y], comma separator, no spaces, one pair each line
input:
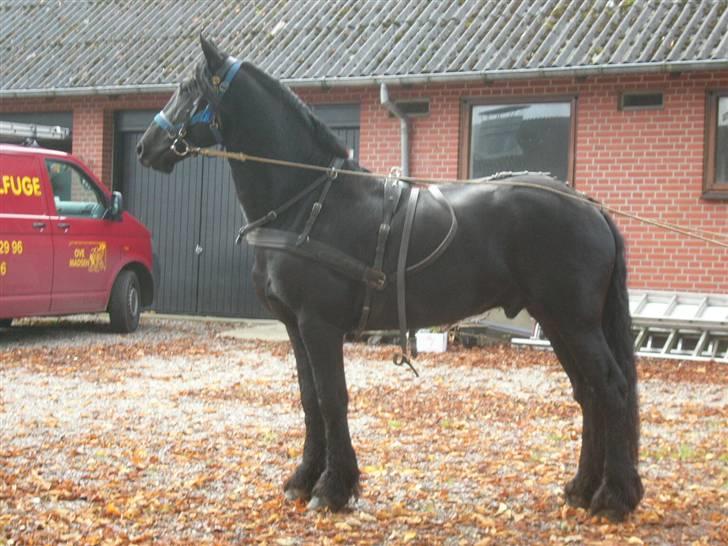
[217,85]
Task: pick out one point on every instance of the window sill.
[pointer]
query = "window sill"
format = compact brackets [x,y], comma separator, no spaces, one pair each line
[716,193]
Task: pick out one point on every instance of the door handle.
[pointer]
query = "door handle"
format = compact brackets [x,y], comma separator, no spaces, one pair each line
[40,226]
[65,226]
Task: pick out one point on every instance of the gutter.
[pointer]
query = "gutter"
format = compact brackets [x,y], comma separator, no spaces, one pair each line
[403,127]
[404,79]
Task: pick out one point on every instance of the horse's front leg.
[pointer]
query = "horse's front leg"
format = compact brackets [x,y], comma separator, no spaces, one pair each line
[340,479]
[300,484]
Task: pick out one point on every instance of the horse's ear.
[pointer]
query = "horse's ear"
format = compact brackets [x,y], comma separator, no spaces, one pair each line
[213,56]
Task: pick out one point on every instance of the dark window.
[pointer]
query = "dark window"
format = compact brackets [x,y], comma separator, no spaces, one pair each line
[715,184]
[529,136]
[343,120]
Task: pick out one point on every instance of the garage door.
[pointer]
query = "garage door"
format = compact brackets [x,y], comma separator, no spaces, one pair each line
[194,217]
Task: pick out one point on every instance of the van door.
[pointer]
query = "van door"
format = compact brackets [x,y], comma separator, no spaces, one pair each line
[26,248]
[86,249]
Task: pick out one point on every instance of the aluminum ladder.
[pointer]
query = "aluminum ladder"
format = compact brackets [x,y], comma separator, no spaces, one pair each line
[680,325]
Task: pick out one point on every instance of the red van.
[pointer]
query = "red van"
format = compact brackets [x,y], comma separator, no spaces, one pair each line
[66,244]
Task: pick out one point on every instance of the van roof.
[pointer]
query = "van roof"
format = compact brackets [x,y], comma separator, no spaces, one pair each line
[36,150]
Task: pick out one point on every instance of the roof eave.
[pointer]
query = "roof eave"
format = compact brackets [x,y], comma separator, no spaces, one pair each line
[485,76]
[400,79]
[87,90]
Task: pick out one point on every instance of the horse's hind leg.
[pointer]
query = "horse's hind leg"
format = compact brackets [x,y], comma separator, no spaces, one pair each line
[580,490]
[621,488]
[301,482]
[340,478]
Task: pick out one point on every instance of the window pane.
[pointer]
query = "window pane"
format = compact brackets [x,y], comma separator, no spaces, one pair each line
[521,137]
[73,193]
[721,143]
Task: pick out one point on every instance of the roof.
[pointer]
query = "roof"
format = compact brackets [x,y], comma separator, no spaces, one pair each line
[103,46]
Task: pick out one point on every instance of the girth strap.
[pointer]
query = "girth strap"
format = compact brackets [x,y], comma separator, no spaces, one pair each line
[392,193]
[337,260]
[402,273]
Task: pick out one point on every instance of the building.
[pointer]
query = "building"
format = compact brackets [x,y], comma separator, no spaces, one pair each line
[626,100]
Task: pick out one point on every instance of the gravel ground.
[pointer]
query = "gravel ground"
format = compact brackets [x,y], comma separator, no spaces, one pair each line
[176,434]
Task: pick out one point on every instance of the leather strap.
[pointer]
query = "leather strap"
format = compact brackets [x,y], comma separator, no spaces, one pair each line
[402,270]
[328,178]
[373,276]
[319,205]
[337,260]
[445,243]
[392,193]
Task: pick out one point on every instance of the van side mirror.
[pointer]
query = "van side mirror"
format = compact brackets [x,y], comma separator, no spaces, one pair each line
[117,205]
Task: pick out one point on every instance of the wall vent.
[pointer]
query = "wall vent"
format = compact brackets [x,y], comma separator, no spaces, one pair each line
[414,108]
[641,100]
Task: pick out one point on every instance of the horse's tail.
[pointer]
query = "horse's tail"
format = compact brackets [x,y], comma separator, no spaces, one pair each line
[617,327]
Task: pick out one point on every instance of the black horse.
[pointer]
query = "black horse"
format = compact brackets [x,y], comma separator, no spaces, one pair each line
[515,247]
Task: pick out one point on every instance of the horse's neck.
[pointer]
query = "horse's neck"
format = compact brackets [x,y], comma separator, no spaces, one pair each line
[255,130]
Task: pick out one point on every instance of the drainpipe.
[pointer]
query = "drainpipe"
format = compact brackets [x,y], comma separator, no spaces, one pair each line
[403,126]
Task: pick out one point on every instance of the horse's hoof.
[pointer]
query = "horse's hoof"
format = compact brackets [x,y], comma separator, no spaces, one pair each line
[615,516]
[578,496]
[615,501]
[576,501]
[294,494]
[315,504]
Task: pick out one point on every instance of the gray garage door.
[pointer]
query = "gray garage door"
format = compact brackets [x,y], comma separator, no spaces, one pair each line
[194,217]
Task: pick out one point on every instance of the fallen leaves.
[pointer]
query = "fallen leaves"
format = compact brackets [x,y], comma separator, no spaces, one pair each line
[187,439]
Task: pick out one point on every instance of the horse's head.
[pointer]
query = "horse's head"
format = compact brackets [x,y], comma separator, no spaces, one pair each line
[190,117]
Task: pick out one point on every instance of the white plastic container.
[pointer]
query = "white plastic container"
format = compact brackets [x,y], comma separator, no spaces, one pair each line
[431,342]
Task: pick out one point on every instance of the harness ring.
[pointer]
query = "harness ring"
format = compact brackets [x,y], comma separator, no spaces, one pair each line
[184,150]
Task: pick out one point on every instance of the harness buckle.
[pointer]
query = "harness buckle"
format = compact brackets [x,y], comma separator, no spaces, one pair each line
[395,173]
[378,280]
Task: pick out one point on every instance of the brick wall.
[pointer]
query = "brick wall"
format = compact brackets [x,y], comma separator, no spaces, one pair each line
[93,123]
[648,162]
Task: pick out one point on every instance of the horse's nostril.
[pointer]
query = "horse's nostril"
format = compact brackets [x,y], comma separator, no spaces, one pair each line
[140,149]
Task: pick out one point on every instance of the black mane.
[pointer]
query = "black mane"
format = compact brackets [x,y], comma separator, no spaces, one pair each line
[321,133]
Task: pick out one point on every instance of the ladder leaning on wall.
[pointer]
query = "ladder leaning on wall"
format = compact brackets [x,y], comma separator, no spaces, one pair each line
[677,325]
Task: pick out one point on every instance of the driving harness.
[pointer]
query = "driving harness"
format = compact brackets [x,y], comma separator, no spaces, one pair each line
[374,278]
[300,244]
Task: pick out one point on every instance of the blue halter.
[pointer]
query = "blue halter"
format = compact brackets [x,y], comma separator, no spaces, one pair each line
[219,84]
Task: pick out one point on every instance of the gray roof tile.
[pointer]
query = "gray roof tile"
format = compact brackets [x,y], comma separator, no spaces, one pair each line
[67,44]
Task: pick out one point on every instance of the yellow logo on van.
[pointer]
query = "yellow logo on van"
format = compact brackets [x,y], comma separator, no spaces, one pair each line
[28,186]
[88,255]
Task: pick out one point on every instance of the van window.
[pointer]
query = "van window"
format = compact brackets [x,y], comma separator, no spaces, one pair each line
[73,193]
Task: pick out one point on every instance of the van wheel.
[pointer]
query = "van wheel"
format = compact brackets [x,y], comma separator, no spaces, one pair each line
[6,322]
[125,303]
